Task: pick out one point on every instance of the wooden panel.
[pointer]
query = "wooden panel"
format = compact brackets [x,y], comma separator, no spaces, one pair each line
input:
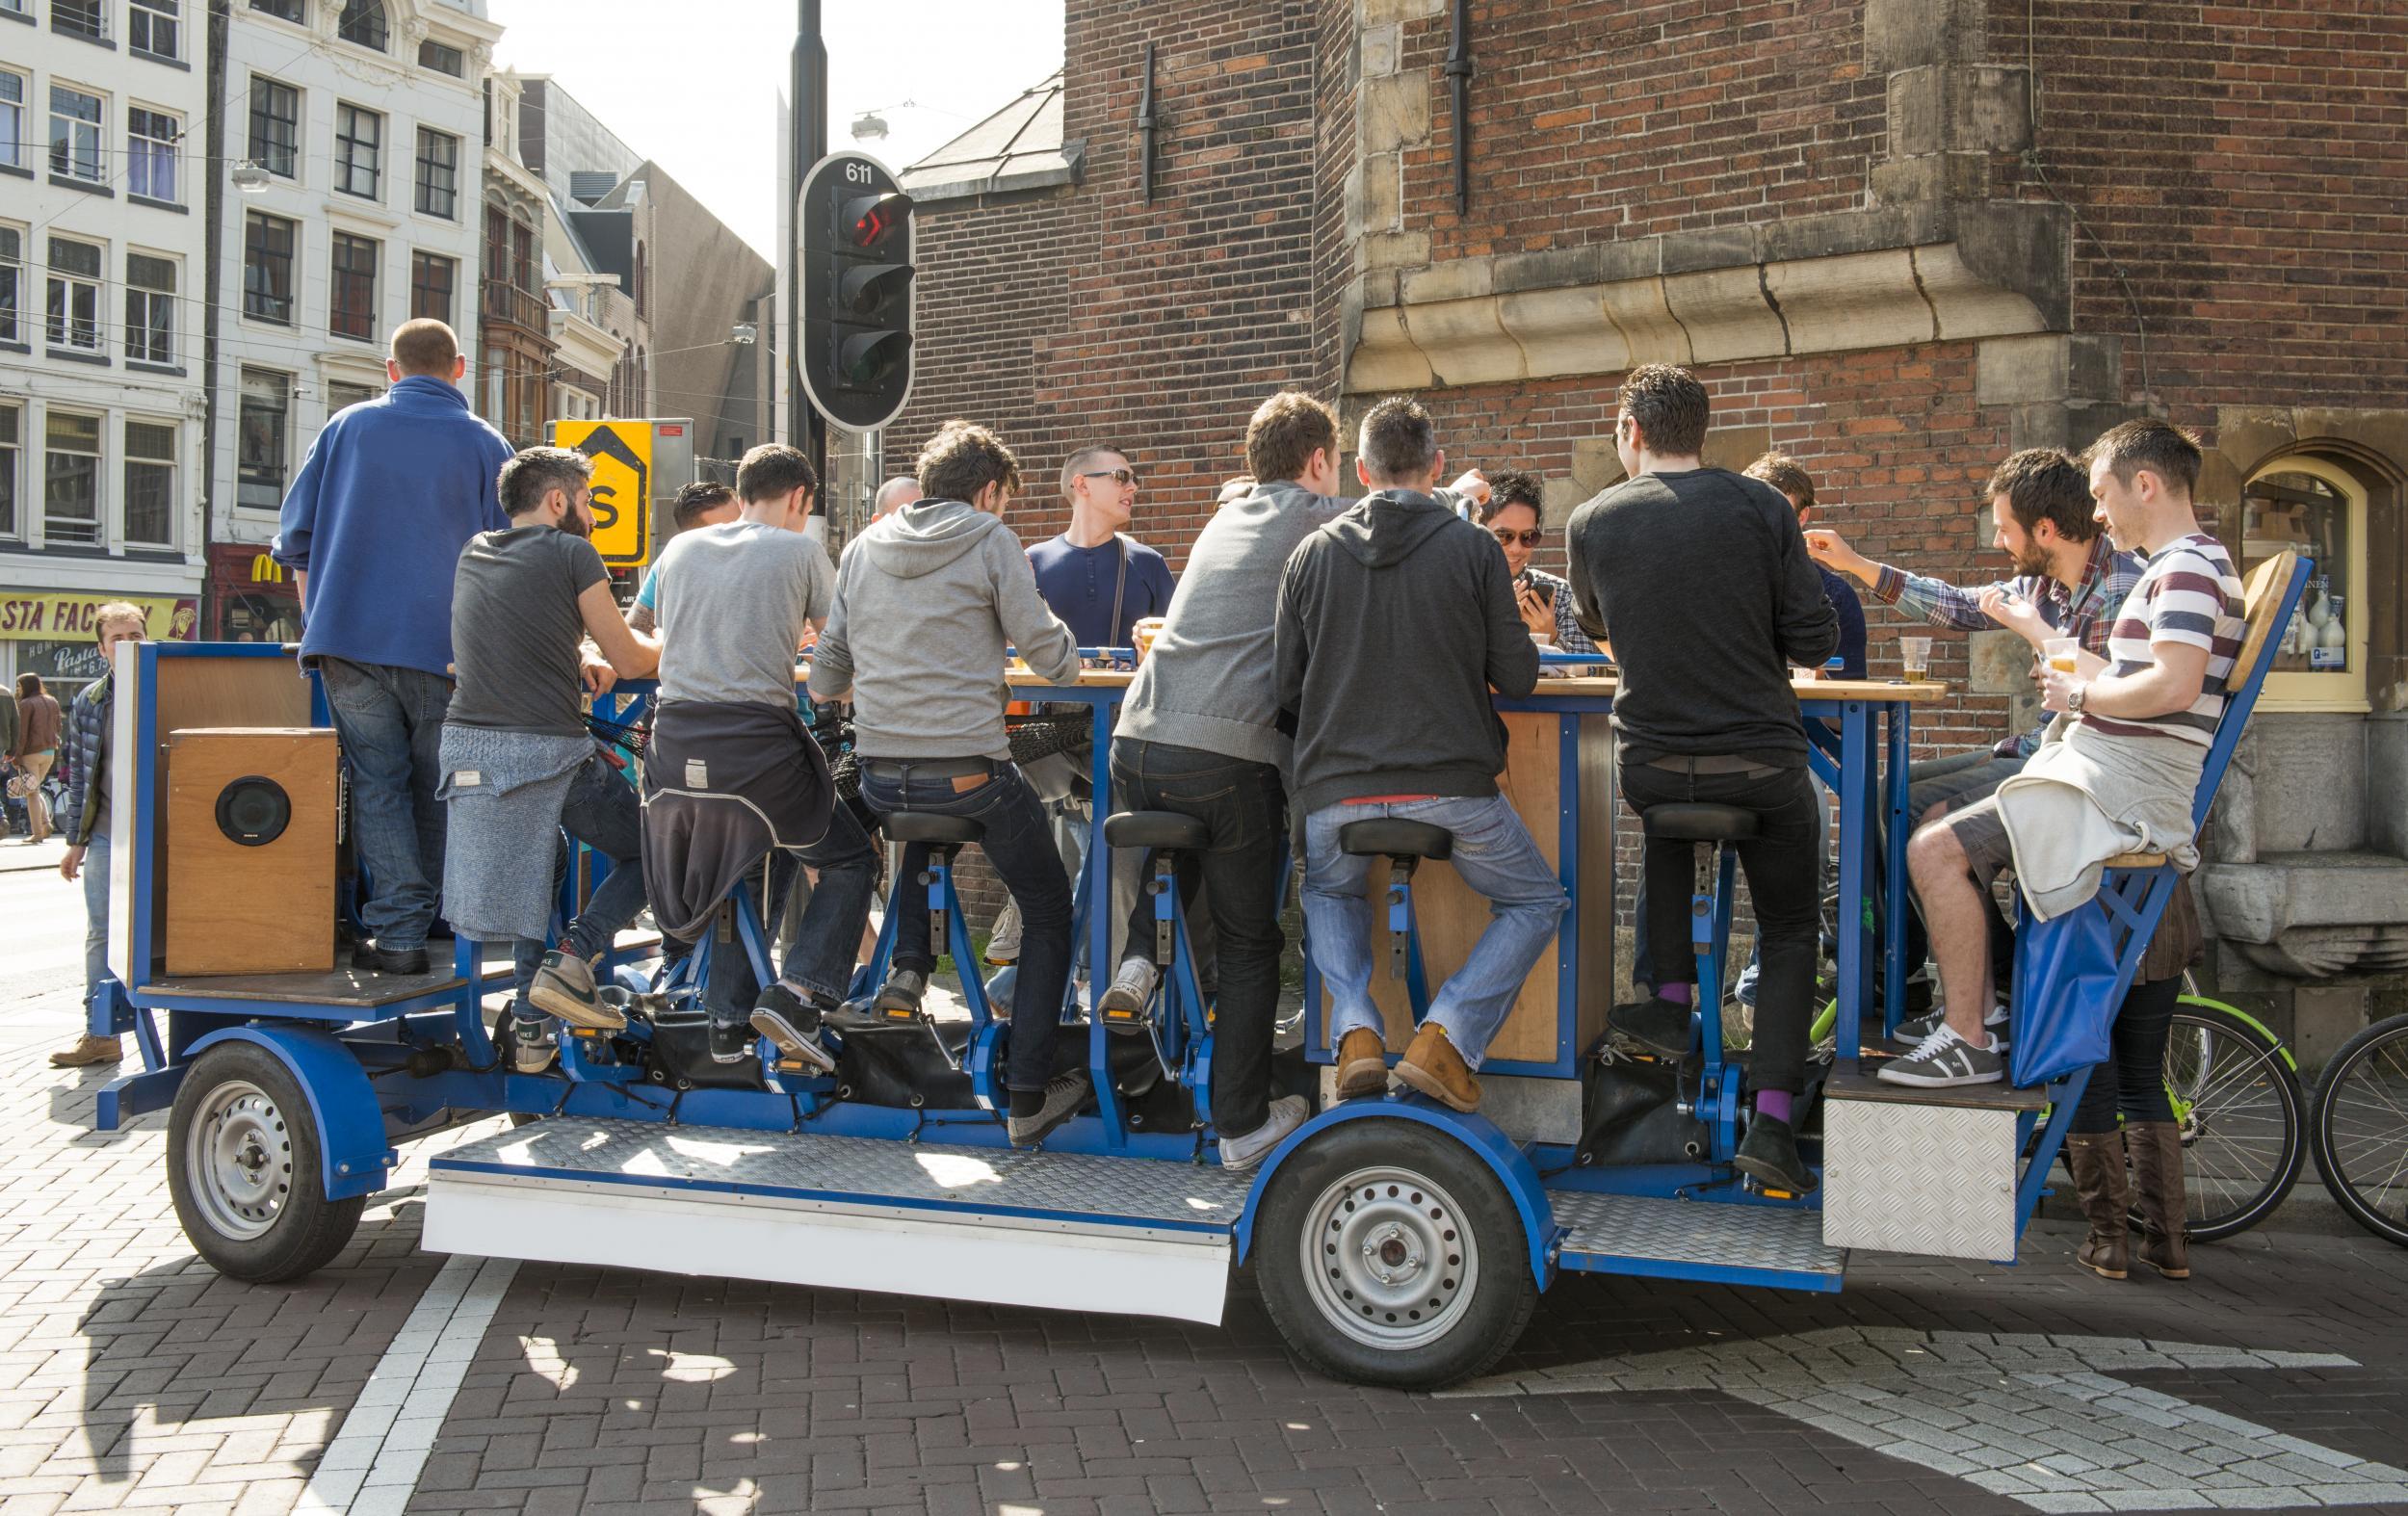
[202,692]
[1452,916]
[237,909]
[1593,904]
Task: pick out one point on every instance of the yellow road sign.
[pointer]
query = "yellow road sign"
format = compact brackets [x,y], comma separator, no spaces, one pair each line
[623,484]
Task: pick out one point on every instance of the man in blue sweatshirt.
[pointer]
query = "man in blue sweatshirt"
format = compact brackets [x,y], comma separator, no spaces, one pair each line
[391,491]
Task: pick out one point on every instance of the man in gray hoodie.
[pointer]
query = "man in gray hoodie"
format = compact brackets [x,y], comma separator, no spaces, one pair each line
[1402,595]
[926,602]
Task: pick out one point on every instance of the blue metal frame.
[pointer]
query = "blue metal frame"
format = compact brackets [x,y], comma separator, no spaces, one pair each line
[353,1154]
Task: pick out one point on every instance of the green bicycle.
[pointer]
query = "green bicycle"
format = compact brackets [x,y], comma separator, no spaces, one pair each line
[2235,1092]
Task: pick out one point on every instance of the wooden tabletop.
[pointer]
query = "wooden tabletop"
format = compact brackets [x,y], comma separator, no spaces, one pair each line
[1924,693]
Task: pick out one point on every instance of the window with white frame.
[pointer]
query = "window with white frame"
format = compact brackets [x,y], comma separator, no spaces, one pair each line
[150,484]
[281,10]
[77,138]
[155,27]
[352,300]
[12,89]
[149,309]
[363,23]
[358,150]
[12,284]
[85,18]
[71,479]
[341,396]
[439,173]
[74,302]
[275,127]
[268,268]
[431,278]
[12,470]
[150,152]
[443,59]
[261,448]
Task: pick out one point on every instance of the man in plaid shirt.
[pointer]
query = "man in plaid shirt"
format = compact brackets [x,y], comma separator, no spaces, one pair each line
[2069,581]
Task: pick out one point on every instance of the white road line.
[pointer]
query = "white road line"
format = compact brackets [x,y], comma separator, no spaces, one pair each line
[370,1468]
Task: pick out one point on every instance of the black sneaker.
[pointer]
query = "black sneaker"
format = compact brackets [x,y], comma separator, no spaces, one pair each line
[792,1024]
[372,958]
[1768,1154]
[1654,1024]
[1064,1094]
[731,1042]
[899,999]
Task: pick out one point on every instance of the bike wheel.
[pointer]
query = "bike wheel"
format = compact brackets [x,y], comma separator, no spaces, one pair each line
[2360,1129]
[2238,1107]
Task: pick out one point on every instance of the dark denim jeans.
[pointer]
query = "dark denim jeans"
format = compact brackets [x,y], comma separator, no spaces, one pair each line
[602,812]
[1019,845]
[1245,805]
[2131,1082]
[390,723]
[1783,883]
[827,939]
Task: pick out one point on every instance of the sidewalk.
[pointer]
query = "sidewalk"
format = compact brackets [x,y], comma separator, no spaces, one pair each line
[17,856]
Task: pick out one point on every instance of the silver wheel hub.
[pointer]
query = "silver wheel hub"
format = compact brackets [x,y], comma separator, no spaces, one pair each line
[239,1160]
[1388,1258]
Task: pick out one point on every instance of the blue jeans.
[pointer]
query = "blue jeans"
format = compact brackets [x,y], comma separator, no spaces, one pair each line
[602,812]
[827,939]
[1493,854]
[390,723]
[1019,845]
[95,882]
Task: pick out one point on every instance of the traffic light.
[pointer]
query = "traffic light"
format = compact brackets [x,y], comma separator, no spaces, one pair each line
[854,231]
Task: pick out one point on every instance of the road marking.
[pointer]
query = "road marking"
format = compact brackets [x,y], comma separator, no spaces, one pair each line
[2035,1418]
[370,1468]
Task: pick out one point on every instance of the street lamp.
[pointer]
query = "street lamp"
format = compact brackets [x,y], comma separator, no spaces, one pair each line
[867,126]
[249,177]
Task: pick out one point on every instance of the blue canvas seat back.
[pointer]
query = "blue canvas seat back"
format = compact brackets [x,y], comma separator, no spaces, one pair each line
[2073,972]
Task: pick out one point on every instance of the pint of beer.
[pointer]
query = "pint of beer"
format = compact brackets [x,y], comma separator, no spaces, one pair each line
[2063,653]
[1142,633]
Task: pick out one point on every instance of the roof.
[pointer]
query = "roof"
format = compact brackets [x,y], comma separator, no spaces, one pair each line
[1018,147]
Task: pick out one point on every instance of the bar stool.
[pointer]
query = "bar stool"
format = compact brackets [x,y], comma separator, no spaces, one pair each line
[1404,844]
[1713,830]
[1181,1032]
[948,931]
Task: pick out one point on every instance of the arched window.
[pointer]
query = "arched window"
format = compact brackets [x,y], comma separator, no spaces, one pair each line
[2314,507]
[363,23]
[639,289]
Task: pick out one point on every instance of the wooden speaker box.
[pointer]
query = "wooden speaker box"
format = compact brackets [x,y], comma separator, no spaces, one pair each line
[250,837]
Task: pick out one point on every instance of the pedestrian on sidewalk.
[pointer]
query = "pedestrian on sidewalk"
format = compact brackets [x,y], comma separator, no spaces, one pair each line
[85,820]
[36,750]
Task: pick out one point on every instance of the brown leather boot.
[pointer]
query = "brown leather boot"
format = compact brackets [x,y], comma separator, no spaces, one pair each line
[2096,1159]
[1362,1064]
[2158,1172]
[1431,1065]
[90,1051]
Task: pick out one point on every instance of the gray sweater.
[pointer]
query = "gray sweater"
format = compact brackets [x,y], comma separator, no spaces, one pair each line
[1209,682]
[926,601]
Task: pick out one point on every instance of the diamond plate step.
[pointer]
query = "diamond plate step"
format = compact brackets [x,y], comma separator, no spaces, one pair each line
[1700,1240]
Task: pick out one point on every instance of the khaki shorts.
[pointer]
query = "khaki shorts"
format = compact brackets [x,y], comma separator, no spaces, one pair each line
[1981,832]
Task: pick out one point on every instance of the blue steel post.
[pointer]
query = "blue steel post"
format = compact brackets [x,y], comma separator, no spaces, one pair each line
[1099,924]
[1895,783]
[1855,753]
[1568,875]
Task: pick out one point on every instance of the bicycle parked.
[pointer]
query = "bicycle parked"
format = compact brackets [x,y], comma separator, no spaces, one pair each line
[2359,1124]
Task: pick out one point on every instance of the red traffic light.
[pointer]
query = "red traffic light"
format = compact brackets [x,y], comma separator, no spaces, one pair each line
[867,219]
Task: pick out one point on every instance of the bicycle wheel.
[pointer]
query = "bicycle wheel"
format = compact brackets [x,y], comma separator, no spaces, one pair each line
[2240,1110]
[2360,1128]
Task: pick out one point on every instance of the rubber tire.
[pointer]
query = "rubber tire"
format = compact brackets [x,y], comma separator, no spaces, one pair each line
[2320,1128]
[313,1228]
[1502,1299]
[2223,1023]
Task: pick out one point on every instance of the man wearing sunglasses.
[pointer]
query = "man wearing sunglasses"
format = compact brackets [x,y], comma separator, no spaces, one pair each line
[1096,577]
[1515,515]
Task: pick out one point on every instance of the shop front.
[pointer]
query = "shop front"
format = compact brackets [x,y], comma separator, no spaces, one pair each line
[50,633]
[252,596]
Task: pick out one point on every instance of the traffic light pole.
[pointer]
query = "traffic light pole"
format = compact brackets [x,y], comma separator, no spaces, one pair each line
[807,147]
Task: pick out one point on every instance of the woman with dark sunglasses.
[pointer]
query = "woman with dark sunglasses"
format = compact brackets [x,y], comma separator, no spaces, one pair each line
[1515,513]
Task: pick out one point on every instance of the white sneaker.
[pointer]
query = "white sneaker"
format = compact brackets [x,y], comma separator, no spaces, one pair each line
[1239,1154]
[1132,990]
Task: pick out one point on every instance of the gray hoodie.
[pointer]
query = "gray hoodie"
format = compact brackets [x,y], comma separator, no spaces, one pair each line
[926,601]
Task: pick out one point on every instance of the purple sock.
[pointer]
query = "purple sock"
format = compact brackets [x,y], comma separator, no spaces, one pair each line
[1676,994]
[1774,1103]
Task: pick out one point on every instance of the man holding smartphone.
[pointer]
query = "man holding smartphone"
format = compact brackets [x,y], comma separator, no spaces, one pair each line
[1515,513]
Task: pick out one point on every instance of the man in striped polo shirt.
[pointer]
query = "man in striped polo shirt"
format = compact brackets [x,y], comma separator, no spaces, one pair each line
[2120,775]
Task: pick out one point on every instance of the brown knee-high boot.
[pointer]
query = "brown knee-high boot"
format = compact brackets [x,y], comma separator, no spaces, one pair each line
[2156,1148]
[2097,1161]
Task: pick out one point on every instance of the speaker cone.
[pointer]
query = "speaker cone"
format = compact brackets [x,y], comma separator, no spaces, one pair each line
[253,811]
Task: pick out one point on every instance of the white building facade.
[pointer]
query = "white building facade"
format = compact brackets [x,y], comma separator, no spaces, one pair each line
[103,108]
[356,129]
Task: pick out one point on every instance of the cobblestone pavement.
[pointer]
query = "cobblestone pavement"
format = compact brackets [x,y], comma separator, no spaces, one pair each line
[131,1378]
